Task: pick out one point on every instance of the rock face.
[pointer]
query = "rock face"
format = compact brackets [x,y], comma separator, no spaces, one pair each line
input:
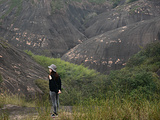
[121,16]
[114,36]
[102,37]
[111,50]
[38,26]
[19,71]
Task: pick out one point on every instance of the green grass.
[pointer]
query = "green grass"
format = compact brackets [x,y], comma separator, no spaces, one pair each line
[117,109]
[16,99]
[93,109]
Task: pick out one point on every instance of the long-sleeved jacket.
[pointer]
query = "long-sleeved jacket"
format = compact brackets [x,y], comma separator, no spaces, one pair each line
[55,83]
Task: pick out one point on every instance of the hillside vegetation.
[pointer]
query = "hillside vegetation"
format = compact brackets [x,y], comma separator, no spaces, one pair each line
[138,80]
[129,93]
[78,82]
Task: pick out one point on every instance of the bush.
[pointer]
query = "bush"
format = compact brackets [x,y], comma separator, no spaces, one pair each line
[152,49]
[148,55]
[115,3]
[133,83]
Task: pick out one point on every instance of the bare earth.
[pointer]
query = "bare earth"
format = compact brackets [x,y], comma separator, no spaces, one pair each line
[30,113]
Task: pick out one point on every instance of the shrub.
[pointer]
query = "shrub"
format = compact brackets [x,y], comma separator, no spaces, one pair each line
[148,55]
[136,60]
[115,3]
[152,49]
[133,83]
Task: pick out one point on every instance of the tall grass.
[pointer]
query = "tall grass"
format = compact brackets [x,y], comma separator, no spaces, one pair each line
[14,99]
[118,109]
[95,109]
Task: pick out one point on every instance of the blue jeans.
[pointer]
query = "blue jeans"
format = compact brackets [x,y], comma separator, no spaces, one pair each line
[55,101]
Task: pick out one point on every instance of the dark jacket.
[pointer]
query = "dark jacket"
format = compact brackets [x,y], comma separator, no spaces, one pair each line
[55,83]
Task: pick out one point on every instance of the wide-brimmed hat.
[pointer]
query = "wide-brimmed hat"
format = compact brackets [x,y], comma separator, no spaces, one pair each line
[53,67]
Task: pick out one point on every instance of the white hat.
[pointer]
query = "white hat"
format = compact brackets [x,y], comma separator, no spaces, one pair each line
[53,67]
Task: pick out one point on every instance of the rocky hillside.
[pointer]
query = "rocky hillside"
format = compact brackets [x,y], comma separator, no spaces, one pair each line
[19,71]
[111,50]
[125,30]
[49,27]
[122,15]
[102,37]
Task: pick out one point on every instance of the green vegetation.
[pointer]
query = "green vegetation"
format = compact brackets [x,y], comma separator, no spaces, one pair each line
[17,99]
[118,109]
[56,5]
[136,81]
[79,83]
[130,93]
[13,4]
[115,3]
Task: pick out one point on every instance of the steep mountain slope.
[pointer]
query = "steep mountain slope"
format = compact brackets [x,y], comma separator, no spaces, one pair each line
[19,71]
[45,26]
[111,50]
[53,27]
[121,16]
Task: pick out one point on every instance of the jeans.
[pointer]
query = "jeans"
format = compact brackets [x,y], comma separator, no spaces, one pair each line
[55,101]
